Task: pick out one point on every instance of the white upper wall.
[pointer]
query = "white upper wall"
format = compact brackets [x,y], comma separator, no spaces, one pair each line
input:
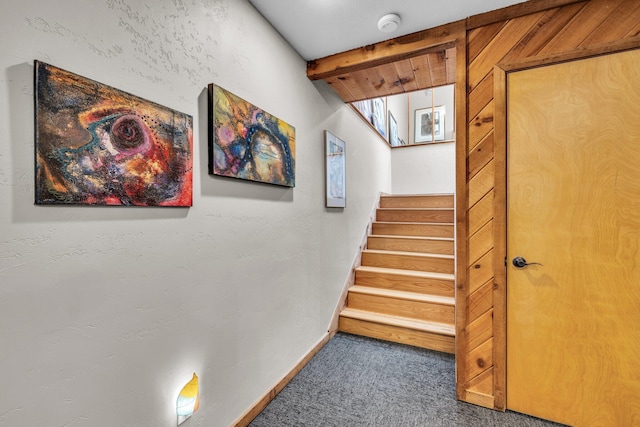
[424,169]
[106,312]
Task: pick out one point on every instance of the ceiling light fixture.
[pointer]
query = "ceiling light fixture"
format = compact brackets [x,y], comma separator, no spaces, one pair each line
[389,23]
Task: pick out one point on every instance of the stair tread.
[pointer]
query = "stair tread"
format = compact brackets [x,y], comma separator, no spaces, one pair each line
[416,209]
[413,222]
[405,322]
[399,236]
[417,195]
[415,273]
[406,295]
[417,254]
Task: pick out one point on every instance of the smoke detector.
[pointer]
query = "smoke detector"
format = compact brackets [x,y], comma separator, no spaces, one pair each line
[389,23]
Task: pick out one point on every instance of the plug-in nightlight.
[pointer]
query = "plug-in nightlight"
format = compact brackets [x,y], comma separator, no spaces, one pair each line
[188,400]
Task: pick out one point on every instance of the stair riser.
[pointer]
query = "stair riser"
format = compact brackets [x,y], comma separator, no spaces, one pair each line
[396,282]
[427,215]
[397,334]
[408,262]
[422,230]
[420,310]
[444,247]
[416,202]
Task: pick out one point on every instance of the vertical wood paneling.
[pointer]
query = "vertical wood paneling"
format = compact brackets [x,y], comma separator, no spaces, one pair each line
[481,125]
[479,38]
[553,31]
[480,359]
[552,22]
[583,24]
[480,301]
[483,383]
[479,399]
[480,96]
[480,329]
[635,31]
[481,183]
[504,41]
[462,209]
[617,25]
[481,242]
[480,271]
[480,213]
[480,155]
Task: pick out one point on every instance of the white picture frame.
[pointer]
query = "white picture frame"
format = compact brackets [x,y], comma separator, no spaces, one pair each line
[335,171]
[429,124]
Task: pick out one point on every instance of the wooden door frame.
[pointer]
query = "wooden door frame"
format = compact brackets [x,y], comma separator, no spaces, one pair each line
[500,73]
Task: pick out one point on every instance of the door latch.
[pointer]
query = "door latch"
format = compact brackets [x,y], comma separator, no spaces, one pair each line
[520,262]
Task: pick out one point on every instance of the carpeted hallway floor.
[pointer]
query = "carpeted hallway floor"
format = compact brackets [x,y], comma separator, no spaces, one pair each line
[356,382]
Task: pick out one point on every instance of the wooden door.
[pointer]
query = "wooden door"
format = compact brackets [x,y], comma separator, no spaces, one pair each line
[573,205]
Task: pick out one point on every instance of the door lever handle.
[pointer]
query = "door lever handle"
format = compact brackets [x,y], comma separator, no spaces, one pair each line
[520,262]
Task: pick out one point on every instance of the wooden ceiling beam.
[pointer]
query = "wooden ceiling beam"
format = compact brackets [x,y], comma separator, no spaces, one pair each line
[419,43]
[399,48]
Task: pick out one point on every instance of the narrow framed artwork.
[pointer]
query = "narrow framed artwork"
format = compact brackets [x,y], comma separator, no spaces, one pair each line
[364,108]
[393,131]
[97,145]
[429,124]
[379,116]
[246,142]
[335,171]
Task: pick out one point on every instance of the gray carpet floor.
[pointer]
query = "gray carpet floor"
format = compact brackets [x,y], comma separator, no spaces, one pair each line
[356,381]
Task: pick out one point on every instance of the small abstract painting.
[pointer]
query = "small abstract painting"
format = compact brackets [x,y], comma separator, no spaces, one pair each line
[335,171]
[248,143]
[97,145]
[429,124]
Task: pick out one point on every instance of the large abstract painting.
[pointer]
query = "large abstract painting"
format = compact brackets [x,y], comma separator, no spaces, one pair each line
[96,145]
[248,143]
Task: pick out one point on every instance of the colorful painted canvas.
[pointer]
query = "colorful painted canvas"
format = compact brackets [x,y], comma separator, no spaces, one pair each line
[96,145]
[248,143]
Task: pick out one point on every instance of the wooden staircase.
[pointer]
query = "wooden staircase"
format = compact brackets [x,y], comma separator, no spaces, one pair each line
[404,289]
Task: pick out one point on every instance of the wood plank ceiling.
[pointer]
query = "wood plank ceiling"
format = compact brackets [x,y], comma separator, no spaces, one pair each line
[436,68]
